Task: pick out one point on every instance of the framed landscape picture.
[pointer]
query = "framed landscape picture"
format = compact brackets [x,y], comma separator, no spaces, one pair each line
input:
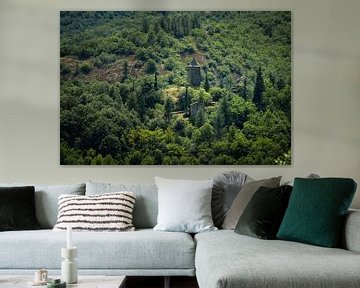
[175,88]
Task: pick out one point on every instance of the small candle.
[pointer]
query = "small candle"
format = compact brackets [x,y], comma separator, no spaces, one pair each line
[69,237]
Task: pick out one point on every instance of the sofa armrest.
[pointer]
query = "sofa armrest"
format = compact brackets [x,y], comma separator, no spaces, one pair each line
[351,234]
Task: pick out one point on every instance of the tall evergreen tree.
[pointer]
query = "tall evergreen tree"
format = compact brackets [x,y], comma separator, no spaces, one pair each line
[141,105]
[132,103]
[206,84]
[225,109]
[157,27]
[218,124]
[125,71]
[200,116]
[259,89]
[244,89]
[187,100]
[150,66]
[168,108]
[145,25]
[155,81]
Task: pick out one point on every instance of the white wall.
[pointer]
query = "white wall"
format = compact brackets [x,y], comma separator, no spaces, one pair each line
[326,91]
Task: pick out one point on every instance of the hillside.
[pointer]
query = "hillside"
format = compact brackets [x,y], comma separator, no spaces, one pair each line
[126,96]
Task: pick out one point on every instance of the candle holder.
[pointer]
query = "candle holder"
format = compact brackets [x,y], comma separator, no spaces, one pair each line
[69,271]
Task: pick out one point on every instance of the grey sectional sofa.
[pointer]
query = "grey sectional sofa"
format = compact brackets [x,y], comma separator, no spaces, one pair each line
[142,252]
[218,259]
[244,261]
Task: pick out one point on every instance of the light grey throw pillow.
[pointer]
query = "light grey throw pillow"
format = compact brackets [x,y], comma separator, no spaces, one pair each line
[243,198]
[226,187]
[184,205]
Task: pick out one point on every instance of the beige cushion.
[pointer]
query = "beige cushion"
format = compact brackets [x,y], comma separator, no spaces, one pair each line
[243,198]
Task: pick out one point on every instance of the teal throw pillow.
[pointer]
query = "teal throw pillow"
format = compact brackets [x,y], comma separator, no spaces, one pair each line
[316,211]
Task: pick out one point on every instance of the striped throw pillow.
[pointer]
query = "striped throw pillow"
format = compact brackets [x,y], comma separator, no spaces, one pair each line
[105,212]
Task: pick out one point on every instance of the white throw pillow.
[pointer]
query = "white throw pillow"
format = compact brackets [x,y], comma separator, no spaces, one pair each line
[184,205]
[105,212]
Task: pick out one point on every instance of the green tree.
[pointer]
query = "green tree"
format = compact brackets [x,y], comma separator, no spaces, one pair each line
[132,102]
[125,71]
[200,116]
[168,106]
[244,89]
[187,100]
[148,160]
[218,124]
[206,133]
[179,126]
[207,83]
[224,109]
[85,68]
[152,98]
[64,69]
[145,24]
[155,81]
[141,105]
[240,110]
[116,95]
[259,90]
[84,53]
[134,158]
[157,27]
[110,145]
[150,67]
[217,93]
[108,160]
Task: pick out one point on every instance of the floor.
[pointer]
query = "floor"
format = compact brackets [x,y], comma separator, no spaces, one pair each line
[158,282]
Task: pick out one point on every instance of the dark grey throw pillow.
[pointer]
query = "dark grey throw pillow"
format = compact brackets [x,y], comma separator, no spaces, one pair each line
[263,214]
[243,198]
[17,208]
[225,189]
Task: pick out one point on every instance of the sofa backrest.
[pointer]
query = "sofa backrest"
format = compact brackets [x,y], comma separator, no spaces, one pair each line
[351,237]
[46,200]
[146,203]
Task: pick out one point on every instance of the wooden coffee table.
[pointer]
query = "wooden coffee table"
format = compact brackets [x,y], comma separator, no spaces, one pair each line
[84,281]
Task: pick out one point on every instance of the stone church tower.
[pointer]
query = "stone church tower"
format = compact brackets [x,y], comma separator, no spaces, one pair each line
[194,73]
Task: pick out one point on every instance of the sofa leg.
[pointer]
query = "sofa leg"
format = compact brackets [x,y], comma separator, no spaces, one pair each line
[167,282]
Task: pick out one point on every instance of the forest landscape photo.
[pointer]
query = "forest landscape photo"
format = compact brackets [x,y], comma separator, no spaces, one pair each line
[175,87]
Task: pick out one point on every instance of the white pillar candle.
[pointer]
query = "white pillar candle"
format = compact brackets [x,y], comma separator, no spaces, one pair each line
[69,237]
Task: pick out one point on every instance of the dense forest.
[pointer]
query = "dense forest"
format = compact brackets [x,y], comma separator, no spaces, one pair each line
[128,96]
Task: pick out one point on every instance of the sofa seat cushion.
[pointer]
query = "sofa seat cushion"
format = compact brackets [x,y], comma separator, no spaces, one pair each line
[226,259]
[142,249]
